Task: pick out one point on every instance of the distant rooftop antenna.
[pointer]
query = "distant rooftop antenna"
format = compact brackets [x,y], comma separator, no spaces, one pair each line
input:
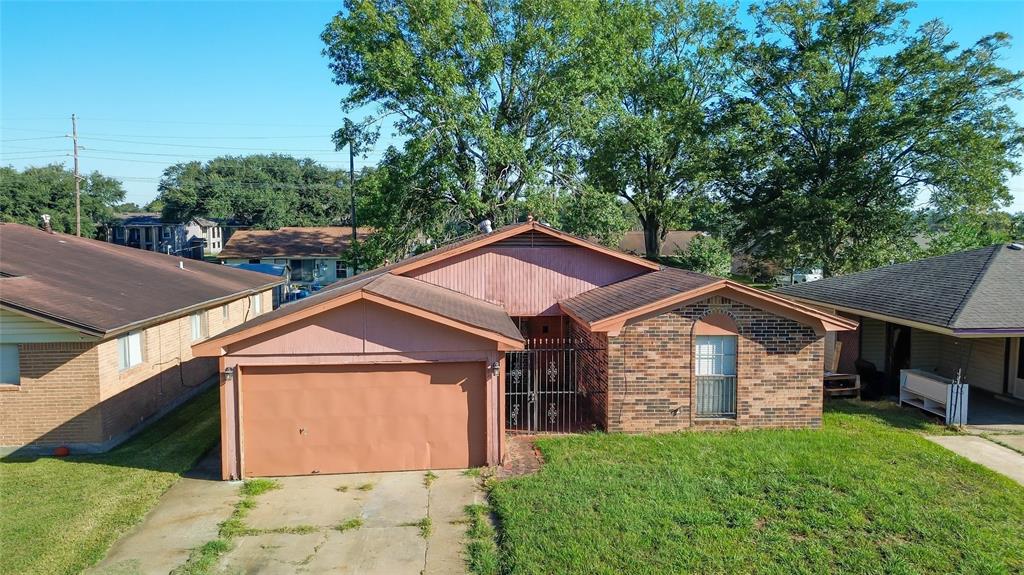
[485,227]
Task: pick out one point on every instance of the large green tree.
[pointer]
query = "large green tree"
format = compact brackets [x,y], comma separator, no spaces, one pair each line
[656,146]
[488,95]
[856,117]
[25,195]
[262,191]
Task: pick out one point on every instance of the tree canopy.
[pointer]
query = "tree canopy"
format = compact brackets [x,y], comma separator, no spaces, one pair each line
[851,118]
[262,191]
[25,195]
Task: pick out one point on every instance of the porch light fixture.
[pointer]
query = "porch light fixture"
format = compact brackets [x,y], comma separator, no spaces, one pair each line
[229,375]
[495,367]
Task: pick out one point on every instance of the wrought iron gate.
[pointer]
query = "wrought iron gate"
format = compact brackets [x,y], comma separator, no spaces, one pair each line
[541,386]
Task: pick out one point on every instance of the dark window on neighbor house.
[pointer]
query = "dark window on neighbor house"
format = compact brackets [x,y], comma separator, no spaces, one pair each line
[340,271]
[1020,358]
[10,367]
[715,371]
[254,260]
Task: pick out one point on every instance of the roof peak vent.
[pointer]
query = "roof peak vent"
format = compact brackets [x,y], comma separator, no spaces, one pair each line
[485,227]
[1016,246]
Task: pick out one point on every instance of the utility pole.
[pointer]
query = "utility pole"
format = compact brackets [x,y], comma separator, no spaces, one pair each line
[78,193]
[352,195]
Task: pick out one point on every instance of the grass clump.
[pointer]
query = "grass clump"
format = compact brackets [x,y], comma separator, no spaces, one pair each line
[354,523]
[365,487]
[425,525]
[481,547]
[341,488]
[254,487]
[61,515]
[429,478]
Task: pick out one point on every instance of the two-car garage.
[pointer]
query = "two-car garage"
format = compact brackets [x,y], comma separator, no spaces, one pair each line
[341,419]
[385,374]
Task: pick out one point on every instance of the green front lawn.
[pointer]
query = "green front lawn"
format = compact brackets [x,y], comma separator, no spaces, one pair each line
[61,515]
[865,494]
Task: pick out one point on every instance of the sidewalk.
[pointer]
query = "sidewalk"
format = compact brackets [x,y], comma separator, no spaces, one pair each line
[984,452]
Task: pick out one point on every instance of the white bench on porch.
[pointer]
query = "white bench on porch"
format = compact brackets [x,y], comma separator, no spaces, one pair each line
[935,394]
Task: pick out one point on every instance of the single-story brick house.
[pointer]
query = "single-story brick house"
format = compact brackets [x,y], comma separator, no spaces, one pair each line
[96,338]
[425,363]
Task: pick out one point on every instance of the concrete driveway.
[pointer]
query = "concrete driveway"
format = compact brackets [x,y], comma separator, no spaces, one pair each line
[295,529]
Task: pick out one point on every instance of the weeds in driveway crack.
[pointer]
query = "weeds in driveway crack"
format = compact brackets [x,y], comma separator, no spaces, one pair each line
[365,487]
[425,525]
[429,478]
[202,559]
[354,523]
[341,488]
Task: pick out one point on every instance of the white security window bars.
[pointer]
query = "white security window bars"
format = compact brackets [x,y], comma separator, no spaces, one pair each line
[716,375]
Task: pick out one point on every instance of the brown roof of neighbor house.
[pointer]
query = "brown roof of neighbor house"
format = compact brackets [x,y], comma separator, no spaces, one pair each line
[674,242]
[313,242]
[608,301]
[968,292]
[103,288]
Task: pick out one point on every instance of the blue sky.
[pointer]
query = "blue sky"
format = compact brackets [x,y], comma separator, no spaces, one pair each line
[155,83]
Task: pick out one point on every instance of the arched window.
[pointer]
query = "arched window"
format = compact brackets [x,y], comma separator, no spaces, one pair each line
[716,340]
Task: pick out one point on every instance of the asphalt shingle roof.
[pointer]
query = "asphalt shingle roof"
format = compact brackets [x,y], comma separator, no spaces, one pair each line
[312,242]
[972,290]
[102,287]
[409,291]
[608,301]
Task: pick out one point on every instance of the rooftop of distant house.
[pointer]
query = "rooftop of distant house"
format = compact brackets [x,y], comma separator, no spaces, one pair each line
[293,242]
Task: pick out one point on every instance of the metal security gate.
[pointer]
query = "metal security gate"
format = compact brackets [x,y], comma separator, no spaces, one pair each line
[541,391]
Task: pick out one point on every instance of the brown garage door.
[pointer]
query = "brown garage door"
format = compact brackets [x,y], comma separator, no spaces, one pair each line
[329,419]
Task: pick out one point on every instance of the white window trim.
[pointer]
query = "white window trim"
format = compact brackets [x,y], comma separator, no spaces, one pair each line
[128,357]
[256,304]
[202,325]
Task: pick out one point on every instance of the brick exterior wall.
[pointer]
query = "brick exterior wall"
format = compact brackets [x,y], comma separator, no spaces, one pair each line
[650,371]
[56,402]
[76,394]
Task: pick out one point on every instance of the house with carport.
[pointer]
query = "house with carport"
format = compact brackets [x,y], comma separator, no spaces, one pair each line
[428,362]
[952,319]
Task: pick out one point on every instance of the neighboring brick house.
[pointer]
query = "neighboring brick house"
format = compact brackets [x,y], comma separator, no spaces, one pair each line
[425,363]
[95,338]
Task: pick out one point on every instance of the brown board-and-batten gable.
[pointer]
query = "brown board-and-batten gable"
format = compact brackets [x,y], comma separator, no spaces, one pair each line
[528,268]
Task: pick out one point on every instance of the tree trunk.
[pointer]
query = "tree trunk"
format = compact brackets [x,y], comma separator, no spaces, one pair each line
[652,236]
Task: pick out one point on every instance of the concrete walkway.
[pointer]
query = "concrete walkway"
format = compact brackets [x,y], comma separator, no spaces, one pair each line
[984,452]
[187,516]
[295,529]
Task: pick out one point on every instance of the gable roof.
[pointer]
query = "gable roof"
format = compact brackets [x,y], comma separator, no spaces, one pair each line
[675,241]
[407,294]
[972,291]
[101,288]
[387,282]
[608,308]
[291,242]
